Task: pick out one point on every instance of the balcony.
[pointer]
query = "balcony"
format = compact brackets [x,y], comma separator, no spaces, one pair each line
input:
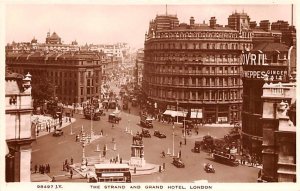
[191,86]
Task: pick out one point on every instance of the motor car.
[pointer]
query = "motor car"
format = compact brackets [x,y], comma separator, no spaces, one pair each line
[58,132]
[112,118]
[146,133]
[159,134]
[178,162]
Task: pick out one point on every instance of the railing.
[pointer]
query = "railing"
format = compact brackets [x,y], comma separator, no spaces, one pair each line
[279,90]
[195,86]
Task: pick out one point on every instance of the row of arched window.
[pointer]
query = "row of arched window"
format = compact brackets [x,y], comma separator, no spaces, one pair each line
[198,34]
[209,95]
[196,81]
[190,57]
[196,46]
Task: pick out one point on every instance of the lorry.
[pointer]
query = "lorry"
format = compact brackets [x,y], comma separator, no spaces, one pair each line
[146,121]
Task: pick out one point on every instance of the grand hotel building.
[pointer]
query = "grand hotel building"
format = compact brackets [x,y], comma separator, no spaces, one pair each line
[196,66]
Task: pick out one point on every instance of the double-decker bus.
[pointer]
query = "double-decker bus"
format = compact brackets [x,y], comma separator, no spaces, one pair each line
[112,173]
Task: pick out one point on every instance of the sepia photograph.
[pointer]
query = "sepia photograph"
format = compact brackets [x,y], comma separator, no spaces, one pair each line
[164,96]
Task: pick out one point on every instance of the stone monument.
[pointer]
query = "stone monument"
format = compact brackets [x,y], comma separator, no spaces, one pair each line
[137,152]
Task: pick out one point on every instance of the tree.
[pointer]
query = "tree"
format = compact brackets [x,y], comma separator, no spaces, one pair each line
[42,90]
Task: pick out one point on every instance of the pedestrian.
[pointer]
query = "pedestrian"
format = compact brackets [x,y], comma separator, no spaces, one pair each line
[63,166]
[121,160]
[70,119]
[66,119]
[180,143]
[179,153]
[48,168]
[197,132]
[71,173]
[35,168]
[71,160]
[184,140]
[42,169]
[53,179]
[37,132]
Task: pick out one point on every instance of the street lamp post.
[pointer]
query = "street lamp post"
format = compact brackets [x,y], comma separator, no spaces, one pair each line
[184,125]
[92,114]
[177,110]
[71,128]
[173,150]
[83,141]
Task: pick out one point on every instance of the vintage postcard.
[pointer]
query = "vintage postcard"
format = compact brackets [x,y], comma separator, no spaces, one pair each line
[162,95]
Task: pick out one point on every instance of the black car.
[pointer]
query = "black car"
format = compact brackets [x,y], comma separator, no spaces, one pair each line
[58,132]
[159,134]
[146,133]
[178,162]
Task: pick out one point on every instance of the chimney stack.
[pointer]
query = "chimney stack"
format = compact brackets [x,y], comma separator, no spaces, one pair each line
[212,22]
[192,21]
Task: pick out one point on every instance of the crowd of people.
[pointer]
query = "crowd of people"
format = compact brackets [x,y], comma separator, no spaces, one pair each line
[42,169]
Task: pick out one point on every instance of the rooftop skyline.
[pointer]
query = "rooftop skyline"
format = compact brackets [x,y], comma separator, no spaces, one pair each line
[99,24]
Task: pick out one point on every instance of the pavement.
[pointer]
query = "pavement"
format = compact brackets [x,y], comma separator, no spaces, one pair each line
[38,177]
[43,132]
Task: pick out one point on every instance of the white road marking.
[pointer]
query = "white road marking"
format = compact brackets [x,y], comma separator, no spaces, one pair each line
[35,150]
[61,142]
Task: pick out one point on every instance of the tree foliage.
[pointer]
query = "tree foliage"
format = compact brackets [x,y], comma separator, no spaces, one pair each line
[42,90]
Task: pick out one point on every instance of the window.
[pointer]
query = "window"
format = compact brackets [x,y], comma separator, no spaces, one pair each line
[221,82]
[81,91]
[207,81]
[220,96]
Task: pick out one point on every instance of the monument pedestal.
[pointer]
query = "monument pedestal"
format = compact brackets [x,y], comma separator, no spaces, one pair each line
[137,162]
[137,155]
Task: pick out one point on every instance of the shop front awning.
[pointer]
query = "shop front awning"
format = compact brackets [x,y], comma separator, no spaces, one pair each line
[175,113]
[168,112]
[196,114]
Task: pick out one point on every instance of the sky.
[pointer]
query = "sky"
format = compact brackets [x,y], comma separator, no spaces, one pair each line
[111,23]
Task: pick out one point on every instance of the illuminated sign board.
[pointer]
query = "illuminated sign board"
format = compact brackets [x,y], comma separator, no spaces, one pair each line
[253,59]
[259,74]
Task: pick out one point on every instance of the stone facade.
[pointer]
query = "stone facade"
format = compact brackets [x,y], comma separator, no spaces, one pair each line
[19,131]
[279,133]
[76,76]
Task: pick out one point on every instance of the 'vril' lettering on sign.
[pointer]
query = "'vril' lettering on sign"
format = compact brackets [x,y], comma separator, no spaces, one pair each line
[253,59]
